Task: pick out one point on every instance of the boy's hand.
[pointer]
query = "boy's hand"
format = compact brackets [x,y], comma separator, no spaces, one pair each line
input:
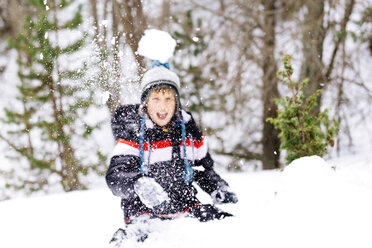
[223,194]
[150,192]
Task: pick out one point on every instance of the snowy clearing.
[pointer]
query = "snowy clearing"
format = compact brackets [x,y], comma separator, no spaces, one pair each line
[309,204]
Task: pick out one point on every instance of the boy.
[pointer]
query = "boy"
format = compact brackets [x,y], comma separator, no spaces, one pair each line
[149,169]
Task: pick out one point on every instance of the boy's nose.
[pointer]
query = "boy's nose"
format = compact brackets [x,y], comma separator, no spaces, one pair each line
[162,106]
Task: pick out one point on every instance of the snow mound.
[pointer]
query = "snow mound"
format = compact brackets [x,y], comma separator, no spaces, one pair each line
[309,173]
[312,179]
[157,45]
[313,200]
[305,165]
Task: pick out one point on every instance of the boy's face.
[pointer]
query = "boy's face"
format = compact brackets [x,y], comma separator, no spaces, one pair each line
[161,105]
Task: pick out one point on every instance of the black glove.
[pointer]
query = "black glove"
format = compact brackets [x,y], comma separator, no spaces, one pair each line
[223,194]
[208,212]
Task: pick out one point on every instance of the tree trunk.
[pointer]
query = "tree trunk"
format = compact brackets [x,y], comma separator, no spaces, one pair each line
[270,91]
[94,11]
[312,40]
[114,100]
[165,14]
[134,23]
[17,12]
[70,171]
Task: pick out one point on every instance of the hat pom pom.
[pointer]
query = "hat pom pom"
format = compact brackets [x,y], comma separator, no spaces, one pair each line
[157,45]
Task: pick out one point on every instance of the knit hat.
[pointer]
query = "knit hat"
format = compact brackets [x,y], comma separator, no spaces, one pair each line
[159,76]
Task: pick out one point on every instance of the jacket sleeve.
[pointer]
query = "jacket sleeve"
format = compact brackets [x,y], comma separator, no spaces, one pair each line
[204,174]
[124,164]
[208,179]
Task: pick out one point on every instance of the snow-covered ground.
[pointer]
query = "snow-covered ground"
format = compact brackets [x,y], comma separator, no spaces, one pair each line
[310,204]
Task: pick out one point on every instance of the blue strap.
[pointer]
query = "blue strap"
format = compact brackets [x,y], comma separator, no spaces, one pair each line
[158,63]
[188,171]
[143,168]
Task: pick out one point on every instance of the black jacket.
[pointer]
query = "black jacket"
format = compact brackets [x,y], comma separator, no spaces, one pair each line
[163,154]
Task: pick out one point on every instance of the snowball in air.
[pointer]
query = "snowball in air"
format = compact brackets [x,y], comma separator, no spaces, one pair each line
[157,45]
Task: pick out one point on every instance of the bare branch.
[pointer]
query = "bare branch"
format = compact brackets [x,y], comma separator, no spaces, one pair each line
[341,38]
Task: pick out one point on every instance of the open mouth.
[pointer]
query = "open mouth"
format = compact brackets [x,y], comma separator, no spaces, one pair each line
[162,116]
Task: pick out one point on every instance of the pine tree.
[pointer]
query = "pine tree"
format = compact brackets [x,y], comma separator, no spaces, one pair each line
[47,126]
[301,132]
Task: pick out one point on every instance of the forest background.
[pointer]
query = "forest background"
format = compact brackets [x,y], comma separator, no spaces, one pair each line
[67,64]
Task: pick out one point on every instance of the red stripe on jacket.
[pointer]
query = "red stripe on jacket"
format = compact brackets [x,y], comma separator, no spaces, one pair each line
[161,144]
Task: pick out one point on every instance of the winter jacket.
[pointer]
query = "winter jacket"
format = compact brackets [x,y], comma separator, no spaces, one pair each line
[163,154]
